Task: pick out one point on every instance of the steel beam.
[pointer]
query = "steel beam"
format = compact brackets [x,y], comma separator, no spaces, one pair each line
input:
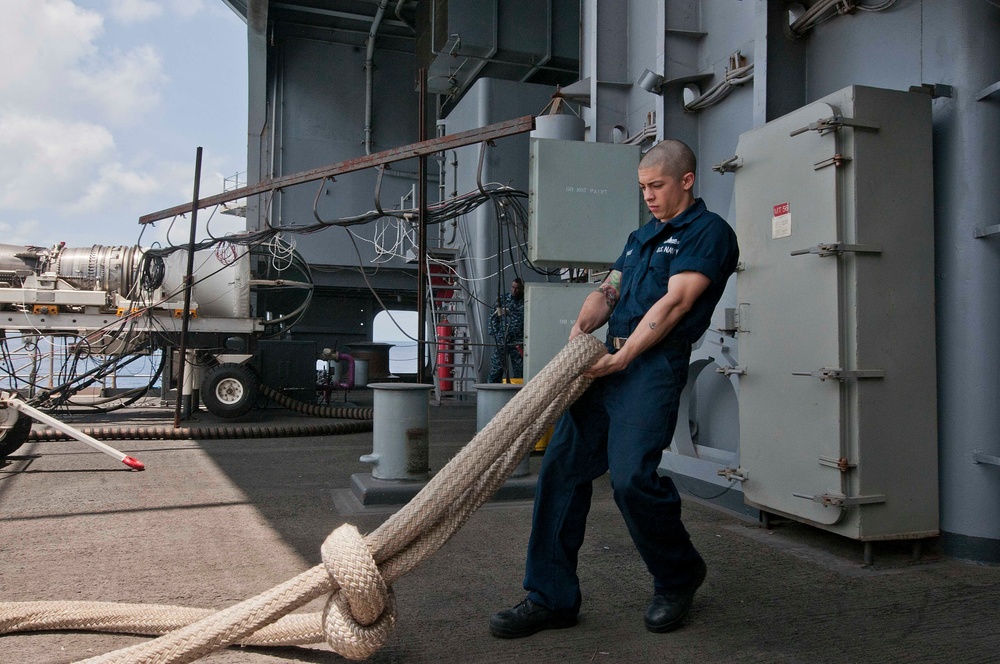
[360,18]
[420,149]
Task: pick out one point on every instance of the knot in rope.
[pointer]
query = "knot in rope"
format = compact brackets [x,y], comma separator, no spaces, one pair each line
[359,616]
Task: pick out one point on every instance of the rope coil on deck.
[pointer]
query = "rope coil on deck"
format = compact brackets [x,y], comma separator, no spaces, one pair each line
[357,571]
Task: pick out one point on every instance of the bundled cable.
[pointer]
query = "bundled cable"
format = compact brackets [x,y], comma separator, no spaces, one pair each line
[824,10]
[736,75]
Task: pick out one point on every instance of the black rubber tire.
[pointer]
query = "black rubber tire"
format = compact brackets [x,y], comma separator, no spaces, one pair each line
[14,437]
[230,390]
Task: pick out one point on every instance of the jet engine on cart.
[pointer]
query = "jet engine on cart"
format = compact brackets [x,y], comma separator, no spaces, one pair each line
[72,317]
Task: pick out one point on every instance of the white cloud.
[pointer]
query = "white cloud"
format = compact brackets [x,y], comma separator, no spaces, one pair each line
[134,11]
[164,184]
[54,67]
[72,167]
[138,11]
[41,44]
[27,231]
[48,161]
[187,8]
[125,87]
[60,95]
[84,143]
[114,184]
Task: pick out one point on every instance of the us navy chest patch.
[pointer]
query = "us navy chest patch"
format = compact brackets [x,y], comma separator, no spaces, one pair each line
[669,246]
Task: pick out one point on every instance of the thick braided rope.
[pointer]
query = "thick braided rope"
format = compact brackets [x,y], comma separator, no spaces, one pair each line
[400,544]
[359,616]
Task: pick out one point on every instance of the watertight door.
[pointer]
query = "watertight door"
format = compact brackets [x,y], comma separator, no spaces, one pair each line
[790,316]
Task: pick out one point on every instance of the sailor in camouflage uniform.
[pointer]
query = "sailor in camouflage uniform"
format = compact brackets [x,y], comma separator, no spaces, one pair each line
[507,329]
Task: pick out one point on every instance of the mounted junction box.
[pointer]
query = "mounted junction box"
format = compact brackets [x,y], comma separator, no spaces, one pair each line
[550,311]
[583,201]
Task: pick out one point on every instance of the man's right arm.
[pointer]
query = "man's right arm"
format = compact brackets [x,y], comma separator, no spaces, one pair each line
[598,306]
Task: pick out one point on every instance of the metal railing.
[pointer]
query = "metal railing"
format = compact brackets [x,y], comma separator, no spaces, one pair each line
[39,364]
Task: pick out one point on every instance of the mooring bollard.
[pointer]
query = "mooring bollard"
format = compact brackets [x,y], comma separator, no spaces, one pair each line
[400,444]
[490,400]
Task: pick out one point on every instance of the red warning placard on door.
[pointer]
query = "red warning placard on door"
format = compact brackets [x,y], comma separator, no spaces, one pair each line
[781,221]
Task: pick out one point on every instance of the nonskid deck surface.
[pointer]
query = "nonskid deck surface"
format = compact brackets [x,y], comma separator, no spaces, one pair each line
[212,522]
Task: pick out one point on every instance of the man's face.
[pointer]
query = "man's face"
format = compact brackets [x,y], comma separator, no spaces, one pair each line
[517,289]
[665,196]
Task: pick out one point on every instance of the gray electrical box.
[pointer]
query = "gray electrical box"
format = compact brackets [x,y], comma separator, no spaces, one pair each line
[835,315]
[549,313]
[583,201]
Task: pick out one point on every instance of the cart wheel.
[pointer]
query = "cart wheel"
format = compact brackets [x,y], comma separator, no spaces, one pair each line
[230,390]
[17,434]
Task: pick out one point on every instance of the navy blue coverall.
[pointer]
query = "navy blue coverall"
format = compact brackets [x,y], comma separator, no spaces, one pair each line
[625,420]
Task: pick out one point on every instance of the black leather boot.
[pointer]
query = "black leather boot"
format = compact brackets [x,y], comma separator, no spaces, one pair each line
[528,617]
[666,612]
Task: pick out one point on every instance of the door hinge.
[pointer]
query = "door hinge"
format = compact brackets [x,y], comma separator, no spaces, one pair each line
[838,248]
[740,317]
[833,123]
[841,464]
[837,160]
[728,165]
[840,500]
[935,90]
[980,457]
[733,474]
[986,231]
[730,323]
[841,374]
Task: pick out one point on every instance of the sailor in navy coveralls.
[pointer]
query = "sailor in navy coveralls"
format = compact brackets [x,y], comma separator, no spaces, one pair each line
[657,299]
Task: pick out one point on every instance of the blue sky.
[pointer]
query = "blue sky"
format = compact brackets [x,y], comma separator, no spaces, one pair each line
[102,106]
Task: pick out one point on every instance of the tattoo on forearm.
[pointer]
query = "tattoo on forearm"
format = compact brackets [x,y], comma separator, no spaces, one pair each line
[611,288]
[610,295]
[652,326]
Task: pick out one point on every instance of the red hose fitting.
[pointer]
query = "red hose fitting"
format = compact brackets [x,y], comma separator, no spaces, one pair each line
[133,463]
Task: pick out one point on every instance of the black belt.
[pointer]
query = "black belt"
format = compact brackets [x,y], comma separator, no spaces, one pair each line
[672,343]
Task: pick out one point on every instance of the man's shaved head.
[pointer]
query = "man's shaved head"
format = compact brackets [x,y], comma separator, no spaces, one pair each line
[672,157]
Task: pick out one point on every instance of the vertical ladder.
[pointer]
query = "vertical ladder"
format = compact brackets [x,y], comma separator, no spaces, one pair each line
[452,365]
